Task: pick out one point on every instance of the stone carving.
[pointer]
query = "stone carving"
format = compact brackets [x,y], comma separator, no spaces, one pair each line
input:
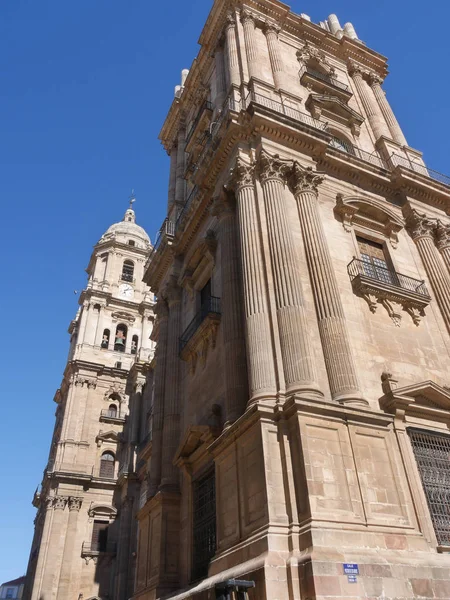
[442,233]
[60,502]
[115,389]
[247,16]
[271,28]
[123,317]
[304,179]
[388,383]
[309,52]
[82,380]
[242,174]
[75,503]
[419,225]
[273,167]
[161,309]
[393,310]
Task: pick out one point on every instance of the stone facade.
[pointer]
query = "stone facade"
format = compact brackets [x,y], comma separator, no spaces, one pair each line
[85,534]
[302,356]
[294,417]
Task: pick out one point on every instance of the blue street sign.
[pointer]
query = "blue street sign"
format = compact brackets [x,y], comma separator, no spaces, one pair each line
[352,578]
[351,569]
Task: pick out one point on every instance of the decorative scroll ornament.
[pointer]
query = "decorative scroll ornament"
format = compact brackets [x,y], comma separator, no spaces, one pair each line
[242,174]
[308,53]
[419,225]
[304,179]
[442,233]
[273,167]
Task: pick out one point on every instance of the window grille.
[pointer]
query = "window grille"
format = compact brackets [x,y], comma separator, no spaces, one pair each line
[204,525]
[432,452]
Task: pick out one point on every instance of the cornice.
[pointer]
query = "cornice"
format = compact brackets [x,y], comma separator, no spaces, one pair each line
[75,366]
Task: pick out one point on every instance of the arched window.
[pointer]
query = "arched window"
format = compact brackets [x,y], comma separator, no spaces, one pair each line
[112,411]
[121,338]
[107,465]
[127,271]
[105,339]
[342,144]
[134,344]
[131,243]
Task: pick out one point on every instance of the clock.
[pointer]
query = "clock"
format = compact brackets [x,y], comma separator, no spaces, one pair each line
[126,291]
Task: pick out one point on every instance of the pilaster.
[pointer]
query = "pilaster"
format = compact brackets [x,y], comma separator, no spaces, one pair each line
[248,23]
[386,110]
[442,236]
[330,314]
[271,32]
[421,229]
[296,347]
[232,51]
[258,330]
[65,585]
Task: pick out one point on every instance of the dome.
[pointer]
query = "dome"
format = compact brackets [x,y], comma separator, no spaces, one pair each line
[127,230]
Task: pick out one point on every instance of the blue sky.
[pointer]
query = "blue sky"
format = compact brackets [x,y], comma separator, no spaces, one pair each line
[85,89]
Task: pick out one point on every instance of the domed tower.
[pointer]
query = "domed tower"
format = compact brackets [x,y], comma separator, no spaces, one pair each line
[86,504]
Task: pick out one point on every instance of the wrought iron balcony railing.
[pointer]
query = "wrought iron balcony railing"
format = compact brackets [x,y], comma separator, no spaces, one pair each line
[205,106]
[361,269]
[419,168]
[351,150]
[210,306]
[167,230]
[326,79]
[98,547]
[281,108]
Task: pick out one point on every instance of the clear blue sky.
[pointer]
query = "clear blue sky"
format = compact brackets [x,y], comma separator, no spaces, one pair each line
[85,86]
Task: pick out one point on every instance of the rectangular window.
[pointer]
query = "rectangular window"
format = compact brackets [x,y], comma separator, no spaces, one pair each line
[204,547]
[99,539]
[205,296]
[9,593]
[374,260]
[432,452]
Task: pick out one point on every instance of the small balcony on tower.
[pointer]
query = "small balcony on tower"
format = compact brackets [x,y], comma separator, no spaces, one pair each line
[324,83]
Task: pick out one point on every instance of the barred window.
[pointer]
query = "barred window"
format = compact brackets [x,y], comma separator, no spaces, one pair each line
[204,525]
[432,452]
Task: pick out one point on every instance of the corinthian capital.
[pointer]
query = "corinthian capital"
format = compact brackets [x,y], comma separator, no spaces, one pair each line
[419,225]
[59,502]
[269,28]
[374,79]
[355,68]
[273,167]
[75,503]
[304,180]
[172,291]
[242,175]
[442,233]
[223,205]
[247,17]
[230,21]
[161,309]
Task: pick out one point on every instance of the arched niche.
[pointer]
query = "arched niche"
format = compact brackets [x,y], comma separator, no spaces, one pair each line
[371,214]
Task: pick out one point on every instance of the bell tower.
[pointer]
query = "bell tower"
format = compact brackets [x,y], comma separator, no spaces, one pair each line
[85,493]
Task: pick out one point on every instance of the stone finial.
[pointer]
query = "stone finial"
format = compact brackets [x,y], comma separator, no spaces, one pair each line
[304,179]
[418,224]
[273,167]
[242,175]
[349,31]
[442,233]
[388,383]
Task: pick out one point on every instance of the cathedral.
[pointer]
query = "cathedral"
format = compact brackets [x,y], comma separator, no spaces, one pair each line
[257,405]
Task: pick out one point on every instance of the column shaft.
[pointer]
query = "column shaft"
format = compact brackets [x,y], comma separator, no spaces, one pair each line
[276,62]
[232,318]
[330,314]
[387,112]
[248,23]
[258,331]
[232,52]
[422,231]
[158,401]
[172,178]
[180,184]
[292,322]
[374,115]
[442,234]
[35,591]
[221,83]
[68,553]
[171,426]
[54,550]
[125,526]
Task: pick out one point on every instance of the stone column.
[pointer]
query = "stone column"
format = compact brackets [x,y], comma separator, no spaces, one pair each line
[371,107]
[171,426]
[248,23]
[236,385]
[271,30]
[51,568]
[180,184]
[43,551]
[259,342]
[69,545]
[234,74]
[421,229]
[172,178]
[442,235]
[125,526]
[330,314]
[158,403]
[386,110]
[221,82]
[295,344]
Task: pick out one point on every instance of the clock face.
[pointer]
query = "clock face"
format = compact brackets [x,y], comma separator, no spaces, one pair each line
[126,291]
